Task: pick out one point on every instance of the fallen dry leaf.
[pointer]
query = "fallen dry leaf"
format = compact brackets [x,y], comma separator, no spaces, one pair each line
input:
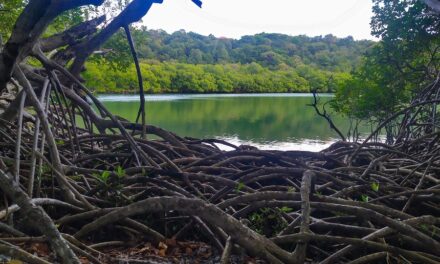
[41,249]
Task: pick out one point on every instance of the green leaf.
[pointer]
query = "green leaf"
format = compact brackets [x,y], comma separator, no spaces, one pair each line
[45,169]
[286,209]
[255,217]
[429,229]
[265,210]
[424,227]
[365,198]
[103,176]
[239,187]
[434,231]
[120,172]
[375,186]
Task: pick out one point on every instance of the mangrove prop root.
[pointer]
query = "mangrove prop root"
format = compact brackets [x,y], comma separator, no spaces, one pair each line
[281,206]
[89,183]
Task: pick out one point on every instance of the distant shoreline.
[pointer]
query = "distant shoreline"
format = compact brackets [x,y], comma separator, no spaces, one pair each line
[216,93]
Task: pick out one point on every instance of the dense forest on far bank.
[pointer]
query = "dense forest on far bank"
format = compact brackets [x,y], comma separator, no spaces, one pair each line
[186,62]
[79,184]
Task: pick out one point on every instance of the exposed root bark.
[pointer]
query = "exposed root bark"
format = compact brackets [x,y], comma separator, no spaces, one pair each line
[105,185]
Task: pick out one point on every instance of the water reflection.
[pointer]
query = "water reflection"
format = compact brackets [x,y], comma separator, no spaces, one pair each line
[271,121]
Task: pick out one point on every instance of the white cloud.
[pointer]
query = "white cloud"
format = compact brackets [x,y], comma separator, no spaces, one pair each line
[235,18]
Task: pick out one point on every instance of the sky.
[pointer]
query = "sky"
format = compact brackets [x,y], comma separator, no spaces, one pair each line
[236,18]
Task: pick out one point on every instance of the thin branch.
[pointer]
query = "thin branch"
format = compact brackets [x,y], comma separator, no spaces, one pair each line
[141,112]
[326,116]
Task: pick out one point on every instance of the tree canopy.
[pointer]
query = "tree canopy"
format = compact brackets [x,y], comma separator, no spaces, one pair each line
[259,63]
[401,64]
[184,61]
[112,194]
[9,11]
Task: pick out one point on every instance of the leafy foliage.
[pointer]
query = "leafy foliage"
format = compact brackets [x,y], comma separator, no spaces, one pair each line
[405,61]
[120,172]
[174,77]
[118,56]
[365,198]
[9,11]
[273,51]
[268,221]
[186,62]
[239,187]
[103,177]
[375,186]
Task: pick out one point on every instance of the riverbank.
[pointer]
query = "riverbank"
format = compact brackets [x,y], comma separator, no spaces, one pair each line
[174,77]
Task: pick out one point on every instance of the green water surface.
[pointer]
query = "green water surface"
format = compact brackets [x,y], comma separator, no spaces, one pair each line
[271,121]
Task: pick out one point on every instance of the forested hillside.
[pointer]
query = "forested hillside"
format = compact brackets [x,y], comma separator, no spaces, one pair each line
[189,62]
[270,50]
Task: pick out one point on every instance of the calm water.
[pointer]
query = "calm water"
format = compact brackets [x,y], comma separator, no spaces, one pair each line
[268,121]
